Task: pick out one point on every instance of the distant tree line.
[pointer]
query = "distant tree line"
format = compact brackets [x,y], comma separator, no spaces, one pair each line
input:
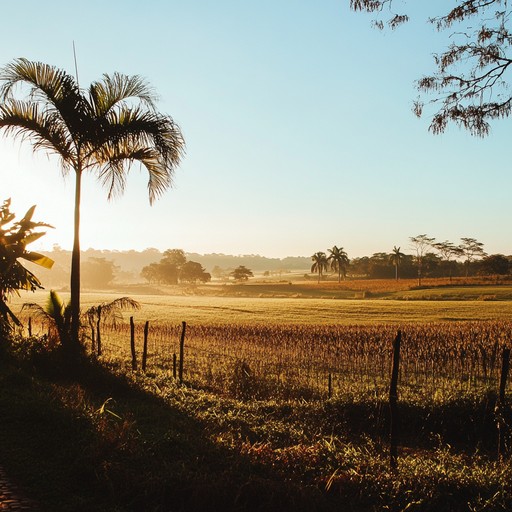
[429,258]
[425,257]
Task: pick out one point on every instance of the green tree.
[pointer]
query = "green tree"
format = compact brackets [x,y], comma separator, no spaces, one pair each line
[175,256]
[241,273]
[152,273]
[471,82]
[495,265]
[191,272]
[339,261]
[396,258]
[104,128]
[14,238]
[98,272]
[320,264]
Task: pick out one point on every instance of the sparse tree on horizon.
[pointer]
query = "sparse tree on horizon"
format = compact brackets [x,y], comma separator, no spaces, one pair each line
[339,261]
[319,264]
[447,250]
[471,249]
[420,244]
[105,128]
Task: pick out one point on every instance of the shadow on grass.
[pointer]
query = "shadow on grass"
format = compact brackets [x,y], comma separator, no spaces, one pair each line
[95,442]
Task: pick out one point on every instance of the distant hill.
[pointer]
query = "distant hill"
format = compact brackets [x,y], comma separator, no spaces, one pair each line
[130,263]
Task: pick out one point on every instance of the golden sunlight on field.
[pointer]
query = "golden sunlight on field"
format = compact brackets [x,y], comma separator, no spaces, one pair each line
[249,310]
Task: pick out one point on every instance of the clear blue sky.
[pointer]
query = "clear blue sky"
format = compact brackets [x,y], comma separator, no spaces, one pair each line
[298,123]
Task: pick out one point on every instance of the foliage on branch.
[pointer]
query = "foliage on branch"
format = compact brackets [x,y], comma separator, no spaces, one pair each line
[470,86]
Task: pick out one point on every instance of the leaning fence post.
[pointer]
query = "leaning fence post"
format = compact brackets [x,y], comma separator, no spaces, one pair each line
[145,347]
[30,326]
[393,403]
[500,405]
[182,350]
[132,344]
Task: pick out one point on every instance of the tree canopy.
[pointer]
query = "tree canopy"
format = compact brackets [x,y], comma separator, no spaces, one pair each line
[470,84]
[241,273]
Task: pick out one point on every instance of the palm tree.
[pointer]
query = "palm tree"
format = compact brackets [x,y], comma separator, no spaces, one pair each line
[319,263]
[107,127]
[107,313]
[57,315]
[396,258]
[338,259]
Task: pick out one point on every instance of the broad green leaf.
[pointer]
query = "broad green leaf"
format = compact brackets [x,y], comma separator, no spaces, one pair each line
[38,259]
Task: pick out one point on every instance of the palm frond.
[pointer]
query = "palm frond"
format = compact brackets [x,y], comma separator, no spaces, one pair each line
[54,91]
[26,121]
[114,89]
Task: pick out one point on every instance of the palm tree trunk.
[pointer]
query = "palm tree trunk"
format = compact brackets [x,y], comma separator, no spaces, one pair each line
[75,264]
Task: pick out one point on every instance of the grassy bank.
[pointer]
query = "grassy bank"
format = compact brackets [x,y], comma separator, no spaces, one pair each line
[100,440]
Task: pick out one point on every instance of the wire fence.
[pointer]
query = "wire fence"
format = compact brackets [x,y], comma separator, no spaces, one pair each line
[451,358]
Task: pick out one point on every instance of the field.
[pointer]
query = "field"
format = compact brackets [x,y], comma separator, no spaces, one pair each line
[283,405]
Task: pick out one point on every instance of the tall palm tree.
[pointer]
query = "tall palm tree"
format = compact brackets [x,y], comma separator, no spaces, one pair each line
[319,263]
[396,258]
[105,128]
[339,261]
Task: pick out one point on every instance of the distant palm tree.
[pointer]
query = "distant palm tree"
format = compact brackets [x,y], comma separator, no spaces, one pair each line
[107,127]
[396,258]
[339,261]
[319,264]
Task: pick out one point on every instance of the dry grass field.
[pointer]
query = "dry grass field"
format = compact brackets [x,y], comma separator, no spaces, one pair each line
[251,306]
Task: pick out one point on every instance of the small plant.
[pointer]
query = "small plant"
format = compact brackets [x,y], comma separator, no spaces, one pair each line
[56,316]
[14,238]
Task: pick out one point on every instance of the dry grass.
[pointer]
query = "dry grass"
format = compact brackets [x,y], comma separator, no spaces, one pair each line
[197,309]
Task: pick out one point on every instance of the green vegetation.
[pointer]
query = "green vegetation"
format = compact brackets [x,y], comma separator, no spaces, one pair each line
[253,427]
[14,238]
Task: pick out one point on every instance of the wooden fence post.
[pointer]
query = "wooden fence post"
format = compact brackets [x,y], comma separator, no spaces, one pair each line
[98,335]
[503,427]
[182,350]
[393,403]
[132,344]
[145,347]
[30,326]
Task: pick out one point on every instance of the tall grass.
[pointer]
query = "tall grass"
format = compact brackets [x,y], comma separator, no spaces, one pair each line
[438,359]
